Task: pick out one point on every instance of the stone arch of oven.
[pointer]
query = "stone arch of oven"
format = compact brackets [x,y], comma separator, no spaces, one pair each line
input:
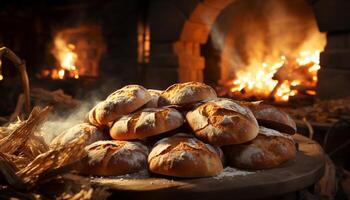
[195,33]
[178,29]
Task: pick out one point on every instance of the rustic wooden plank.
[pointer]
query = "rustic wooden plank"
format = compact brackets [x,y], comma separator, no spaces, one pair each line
[300,173]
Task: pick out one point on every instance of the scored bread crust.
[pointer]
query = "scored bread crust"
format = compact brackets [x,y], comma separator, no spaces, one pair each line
[268,150]
[113,158]
[74,133]
[184,156]
[92,118]
[186,93]
[223,122]
[271,117]
[146,122]
[120,102]
[155,94]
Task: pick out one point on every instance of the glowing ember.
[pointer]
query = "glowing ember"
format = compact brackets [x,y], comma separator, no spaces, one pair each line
[61,74]
[1,76]
[78,51]
[277,79]
[64,53]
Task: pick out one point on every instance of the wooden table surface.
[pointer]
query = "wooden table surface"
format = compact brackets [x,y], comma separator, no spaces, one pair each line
[294,175]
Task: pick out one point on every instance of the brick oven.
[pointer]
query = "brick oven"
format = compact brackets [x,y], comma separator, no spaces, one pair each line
[180,30]
[210,99]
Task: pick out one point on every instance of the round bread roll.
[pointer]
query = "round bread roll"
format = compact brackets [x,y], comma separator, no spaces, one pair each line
[185,94]
[223,122]
[75,132]
[271,117]
[155,94]
[113,158]
[146,122]
[184,156]
[120,102]
[268,150]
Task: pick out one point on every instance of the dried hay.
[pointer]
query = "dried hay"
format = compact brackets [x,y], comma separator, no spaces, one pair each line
[19,136]
[27,163]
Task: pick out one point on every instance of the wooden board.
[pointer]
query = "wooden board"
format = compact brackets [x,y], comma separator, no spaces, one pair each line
[304,171]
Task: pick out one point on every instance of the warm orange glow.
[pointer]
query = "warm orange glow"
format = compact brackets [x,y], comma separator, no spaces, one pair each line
[65,54]
[61,74]
[78,51]
[311,92]
[144,43]
[276,78]
[1,76]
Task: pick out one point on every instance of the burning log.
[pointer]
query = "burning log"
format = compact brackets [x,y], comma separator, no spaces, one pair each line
[280,77]
[275,89]
[304,89]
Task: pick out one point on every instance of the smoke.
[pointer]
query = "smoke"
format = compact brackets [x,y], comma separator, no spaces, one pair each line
[59,122]
[251,32]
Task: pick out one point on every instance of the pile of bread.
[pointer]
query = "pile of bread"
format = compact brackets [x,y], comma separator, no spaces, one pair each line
[184,131]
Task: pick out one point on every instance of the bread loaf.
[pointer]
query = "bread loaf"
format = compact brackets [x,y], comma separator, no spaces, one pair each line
[155,94]
[76,132]
[271,117]
[146,122]
[120,102]
[186,94]
[268,150]
[223,122]
[112,158]
[184,156]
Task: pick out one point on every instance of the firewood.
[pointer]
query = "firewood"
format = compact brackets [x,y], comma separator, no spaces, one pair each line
[302,88]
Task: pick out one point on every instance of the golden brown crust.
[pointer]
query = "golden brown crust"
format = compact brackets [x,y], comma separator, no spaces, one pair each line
[186,94]
[271,117]
[120,102]
[184,156]
[72,134]
[112,158]
[265,151]
[92,118]
[155,94]
[146,122]
[223,122]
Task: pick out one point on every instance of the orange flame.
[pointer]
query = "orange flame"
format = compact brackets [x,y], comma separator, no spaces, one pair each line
[67,58]
[261,81]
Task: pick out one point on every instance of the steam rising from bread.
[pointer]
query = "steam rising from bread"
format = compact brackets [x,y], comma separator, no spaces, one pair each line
[57,123]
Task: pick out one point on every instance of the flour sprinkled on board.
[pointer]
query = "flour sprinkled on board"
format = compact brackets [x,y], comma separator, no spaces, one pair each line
[142,174]
[232,172]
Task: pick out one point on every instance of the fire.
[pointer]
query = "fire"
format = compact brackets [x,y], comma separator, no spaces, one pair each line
[78,51]
[279,79]
[1,76]
[64,52]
